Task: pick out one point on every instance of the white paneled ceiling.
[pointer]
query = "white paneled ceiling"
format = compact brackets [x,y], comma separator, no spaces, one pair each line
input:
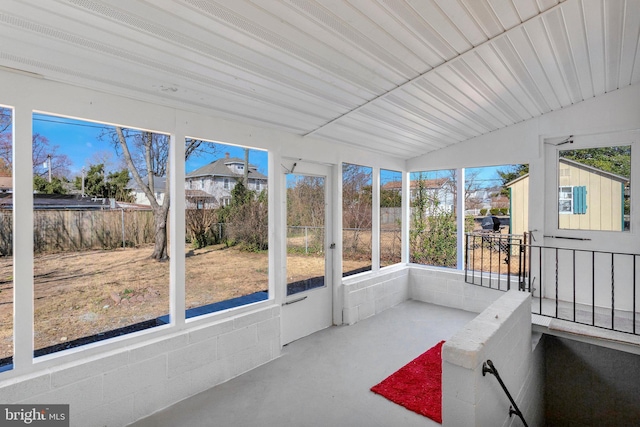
[397,77]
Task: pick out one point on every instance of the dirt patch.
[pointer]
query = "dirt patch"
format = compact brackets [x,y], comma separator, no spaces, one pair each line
[87,293]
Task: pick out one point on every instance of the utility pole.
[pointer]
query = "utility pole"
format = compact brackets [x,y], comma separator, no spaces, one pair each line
[49,162]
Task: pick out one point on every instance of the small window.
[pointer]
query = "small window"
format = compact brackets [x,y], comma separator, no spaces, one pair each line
[258,185]
[226,201]
[226,184]
[565,200]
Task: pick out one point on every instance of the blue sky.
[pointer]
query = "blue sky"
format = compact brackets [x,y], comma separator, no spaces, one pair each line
[80,141]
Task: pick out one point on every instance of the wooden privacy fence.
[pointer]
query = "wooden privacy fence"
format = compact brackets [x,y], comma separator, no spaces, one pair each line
[76,230]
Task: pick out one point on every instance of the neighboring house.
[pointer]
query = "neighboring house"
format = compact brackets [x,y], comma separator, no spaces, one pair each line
[159,187]
[485,198]
[588,199]
[218,178]
[436,190]
[198,199]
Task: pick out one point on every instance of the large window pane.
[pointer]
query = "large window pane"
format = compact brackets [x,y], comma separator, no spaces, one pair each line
[100,231]
[432,231]
[6,238]
[356,218]
[594,188]
[497,209]
[305,232]
[390,217]
[227,226]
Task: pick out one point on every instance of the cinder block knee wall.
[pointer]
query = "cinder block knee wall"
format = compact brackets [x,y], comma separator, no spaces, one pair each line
[120,384]
[368,294]
[501,332]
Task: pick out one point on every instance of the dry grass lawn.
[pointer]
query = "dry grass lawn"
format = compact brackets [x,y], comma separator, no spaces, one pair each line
[81,294]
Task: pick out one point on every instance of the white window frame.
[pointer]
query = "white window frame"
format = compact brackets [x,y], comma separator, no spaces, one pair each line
[565,199]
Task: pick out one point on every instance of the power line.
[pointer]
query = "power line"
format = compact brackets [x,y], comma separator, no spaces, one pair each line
[71,123]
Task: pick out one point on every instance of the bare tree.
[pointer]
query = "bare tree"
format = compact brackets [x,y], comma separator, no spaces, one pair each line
[356,203]
[42,149]
[149,152]
[160,211]
[199,223]
[471,186]
[305,202]
[5,119]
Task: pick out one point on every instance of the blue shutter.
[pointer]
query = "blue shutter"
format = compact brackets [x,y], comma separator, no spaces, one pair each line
[580,200]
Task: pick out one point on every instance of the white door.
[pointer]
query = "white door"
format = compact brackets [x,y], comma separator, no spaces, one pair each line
[307,307]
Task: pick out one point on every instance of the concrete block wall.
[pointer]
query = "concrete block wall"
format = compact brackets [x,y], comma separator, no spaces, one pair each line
[501,333]
[448,288]
[120,386]
[371,293]
[367,294]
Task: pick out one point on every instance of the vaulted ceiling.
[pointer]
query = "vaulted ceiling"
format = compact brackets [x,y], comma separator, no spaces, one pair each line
[397,77]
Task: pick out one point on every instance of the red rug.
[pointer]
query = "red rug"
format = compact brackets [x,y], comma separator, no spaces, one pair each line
[418,385]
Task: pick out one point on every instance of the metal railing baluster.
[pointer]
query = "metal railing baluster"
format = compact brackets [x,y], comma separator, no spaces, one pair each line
[571,279]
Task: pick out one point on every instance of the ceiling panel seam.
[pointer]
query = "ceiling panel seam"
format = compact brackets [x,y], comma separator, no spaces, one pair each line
[424,119]
[431,115]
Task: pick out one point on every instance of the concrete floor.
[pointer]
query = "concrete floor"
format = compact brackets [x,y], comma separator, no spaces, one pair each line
[324,379]
[620,320]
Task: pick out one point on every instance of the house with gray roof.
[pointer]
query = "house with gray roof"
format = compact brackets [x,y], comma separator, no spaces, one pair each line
[218,179]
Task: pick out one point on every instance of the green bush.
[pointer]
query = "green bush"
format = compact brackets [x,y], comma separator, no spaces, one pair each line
[504,211]
[494,211]
[432,235]
[483,211]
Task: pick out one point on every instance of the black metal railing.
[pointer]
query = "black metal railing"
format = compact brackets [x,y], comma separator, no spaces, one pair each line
[595,288]
[495,260]
[489,368]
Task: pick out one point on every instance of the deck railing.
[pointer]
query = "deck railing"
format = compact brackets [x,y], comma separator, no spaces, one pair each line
[495,260]
[590,287]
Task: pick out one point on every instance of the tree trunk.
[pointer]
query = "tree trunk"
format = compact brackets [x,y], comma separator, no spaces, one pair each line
[160,252]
